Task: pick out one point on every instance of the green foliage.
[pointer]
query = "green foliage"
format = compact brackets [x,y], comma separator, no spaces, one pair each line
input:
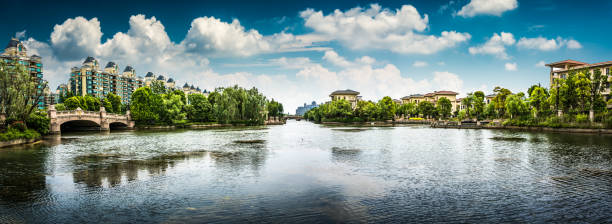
[173,103]
[516,105]
[236,104]
[60,107]
[158,87]
[582,118]
[19,91]
[88,103]
[500,99]
[39,121]
[13,134]
[112,104]
[386,108]
[275,109]
[199,109]
[444,107]
[146,106]
[427,109]
[366,110]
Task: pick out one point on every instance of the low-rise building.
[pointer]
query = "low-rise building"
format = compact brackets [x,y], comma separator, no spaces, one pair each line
[561,69]
[349,95]
[433,97]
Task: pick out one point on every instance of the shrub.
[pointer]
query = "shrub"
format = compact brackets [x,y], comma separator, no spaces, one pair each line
[60,107]
[582,118]
[19,125]
[39,122]
[12,134]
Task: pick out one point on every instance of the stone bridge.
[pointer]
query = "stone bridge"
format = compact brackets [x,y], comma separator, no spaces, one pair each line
[101,118]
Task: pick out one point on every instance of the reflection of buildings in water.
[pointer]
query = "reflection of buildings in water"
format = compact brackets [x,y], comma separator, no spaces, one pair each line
[110,167]
[22,173]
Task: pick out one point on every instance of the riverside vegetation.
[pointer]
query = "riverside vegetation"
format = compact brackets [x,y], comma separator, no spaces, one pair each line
[574,102]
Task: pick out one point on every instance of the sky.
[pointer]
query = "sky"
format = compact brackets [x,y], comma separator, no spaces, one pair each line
[300,51]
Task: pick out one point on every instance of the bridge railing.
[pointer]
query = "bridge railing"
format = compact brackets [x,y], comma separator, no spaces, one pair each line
[68,113]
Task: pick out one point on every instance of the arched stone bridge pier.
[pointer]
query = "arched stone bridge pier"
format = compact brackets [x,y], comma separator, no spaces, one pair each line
[101,118]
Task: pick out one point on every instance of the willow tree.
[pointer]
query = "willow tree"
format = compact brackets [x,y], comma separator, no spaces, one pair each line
[597,81]
[20,92]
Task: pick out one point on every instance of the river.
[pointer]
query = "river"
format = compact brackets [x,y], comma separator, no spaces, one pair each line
[308,173]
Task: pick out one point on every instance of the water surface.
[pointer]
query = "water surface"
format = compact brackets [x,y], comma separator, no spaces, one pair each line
[303,172]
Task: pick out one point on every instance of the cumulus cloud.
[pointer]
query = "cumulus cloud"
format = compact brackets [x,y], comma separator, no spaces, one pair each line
[487,7]
[147,47]
[76,37]
[543,44]
[376,28]
[496,45]
[448,81]
[419,64]
[511,66]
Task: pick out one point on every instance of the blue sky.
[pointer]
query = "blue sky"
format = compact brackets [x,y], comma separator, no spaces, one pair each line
[297,52]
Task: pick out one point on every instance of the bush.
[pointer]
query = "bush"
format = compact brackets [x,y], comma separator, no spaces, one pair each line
[13,134]
[582,118]
[60,107]
[19,125]
[39,121]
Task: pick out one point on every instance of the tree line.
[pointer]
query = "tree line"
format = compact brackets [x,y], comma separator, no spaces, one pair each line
[231,105]
[383,110]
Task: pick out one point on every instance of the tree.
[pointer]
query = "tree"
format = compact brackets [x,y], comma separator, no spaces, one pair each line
[407,109]
[490,111]
[173,103]
[538,99]
[115,102]
[478,102]
[386,108]
[199,109]
[597,83]
[444,107]
[20,92]
[515,105]
[73,102]
[145,105]
[158,87]
[366,110]
[426,108]
[500,99]
[467,102]
[275,109]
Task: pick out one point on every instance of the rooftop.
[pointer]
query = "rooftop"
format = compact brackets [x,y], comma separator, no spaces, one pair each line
[444,92]
[161,77]
[128,69]
[568,61]
[89,59]
[170,80]
[150,74]
[110,64]
[344,92]
[14,42]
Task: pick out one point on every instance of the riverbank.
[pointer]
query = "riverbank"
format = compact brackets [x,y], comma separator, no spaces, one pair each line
[375,123]
[12,137]
[202,126]
[487,125]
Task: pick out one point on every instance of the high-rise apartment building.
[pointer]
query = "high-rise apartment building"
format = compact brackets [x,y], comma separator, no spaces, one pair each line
[89,79]
[16,53]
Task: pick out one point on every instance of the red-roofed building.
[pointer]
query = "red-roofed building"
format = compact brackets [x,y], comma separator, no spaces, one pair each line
[561,70]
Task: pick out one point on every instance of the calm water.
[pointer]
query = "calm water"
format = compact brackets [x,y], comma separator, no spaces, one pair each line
[303,172]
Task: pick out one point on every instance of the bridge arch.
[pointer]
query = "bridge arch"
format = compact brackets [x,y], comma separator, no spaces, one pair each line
[88,118]
[79,124]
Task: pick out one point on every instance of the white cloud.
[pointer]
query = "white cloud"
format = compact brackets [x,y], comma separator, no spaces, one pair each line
[377,28]
[337,60]
[496,45]
[540,64]
[20,35]
[76,38]
[511,66]
[487,7]
[543,44]
[419,64]
[447,81]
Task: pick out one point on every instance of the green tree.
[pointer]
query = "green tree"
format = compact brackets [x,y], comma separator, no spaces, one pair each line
[515,105]
[386,108]
[366,110]
[200,110]
[478,102]
[275,109]
[146,106]
[427,109]
[73,102]
[597,83]
[500,99]
[115,103]
[158,87]
[538,99]
[20,92]
[444,107]
[468,103]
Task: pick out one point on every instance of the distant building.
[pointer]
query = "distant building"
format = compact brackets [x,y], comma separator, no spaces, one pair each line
[301,110]
[16,53]
[561,69]
[433,98]
[349,95]
[89,79]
